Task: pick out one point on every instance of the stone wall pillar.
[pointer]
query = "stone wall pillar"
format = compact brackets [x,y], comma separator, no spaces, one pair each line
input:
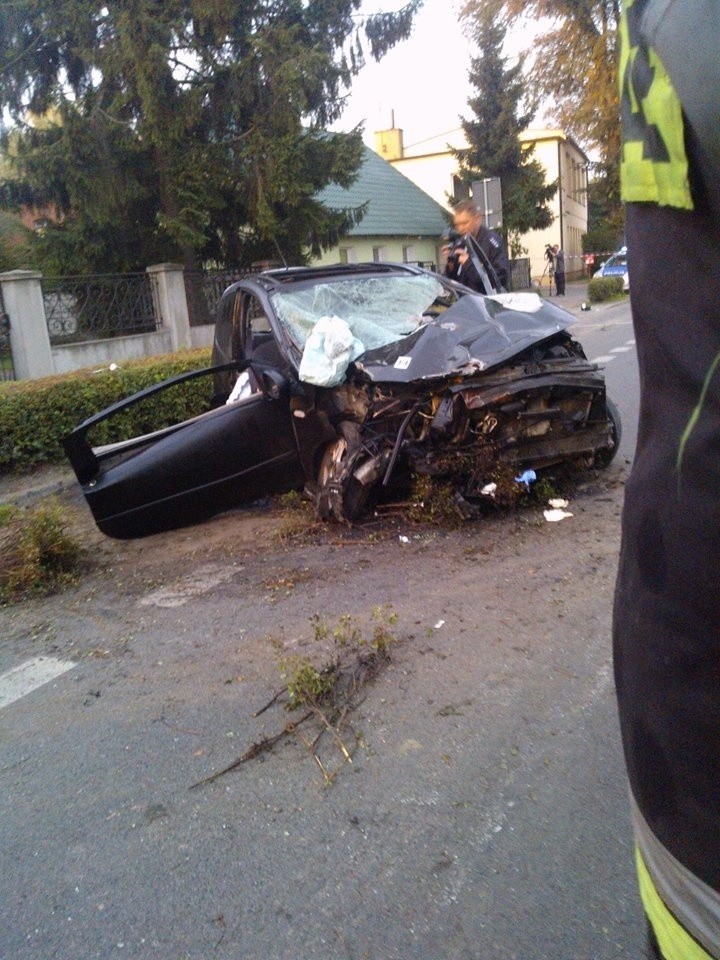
[170,300]
[29,337]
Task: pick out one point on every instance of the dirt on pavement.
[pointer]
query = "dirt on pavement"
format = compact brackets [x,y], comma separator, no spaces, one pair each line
[283,561]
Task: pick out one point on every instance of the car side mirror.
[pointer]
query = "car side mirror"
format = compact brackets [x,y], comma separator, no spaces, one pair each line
[274,384]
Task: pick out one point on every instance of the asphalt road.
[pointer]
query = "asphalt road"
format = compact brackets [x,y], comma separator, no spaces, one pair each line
[484,814]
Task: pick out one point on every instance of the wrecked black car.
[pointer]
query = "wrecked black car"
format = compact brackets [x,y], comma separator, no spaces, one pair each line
[347,381]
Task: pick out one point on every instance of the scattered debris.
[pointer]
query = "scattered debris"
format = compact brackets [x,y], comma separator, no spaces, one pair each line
[527,477]
[557,511]
[329,694]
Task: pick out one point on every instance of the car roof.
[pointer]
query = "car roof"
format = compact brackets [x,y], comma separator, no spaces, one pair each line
[280,277]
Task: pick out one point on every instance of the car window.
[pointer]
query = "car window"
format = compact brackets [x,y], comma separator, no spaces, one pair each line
[617,260]
[256,317]
[378,310]
[248,322]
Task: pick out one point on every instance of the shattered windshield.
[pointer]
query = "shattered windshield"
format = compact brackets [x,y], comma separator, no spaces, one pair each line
[377,310]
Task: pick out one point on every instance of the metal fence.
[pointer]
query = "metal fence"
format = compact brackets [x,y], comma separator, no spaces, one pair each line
[7,370]
[98,307]
[520,274]
[203,291]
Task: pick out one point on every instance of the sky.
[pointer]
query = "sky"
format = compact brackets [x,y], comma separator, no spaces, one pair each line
[422,84]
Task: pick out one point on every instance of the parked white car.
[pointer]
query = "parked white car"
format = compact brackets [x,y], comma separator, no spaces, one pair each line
[616,266]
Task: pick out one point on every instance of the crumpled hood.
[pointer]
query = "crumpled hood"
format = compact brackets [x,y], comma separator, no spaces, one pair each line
[474,334]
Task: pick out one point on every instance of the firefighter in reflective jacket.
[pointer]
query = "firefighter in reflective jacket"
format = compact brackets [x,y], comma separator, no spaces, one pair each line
[666,622]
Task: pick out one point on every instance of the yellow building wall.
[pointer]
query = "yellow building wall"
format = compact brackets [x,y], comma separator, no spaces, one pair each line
[384,249]
[565,162]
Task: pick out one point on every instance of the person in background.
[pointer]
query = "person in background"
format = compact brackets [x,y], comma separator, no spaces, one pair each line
[559,268]
[666,618]
[467,219]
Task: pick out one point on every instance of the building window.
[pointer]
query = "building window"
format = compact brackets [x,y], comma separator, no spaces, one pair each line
[379,254]
[409,255]
[347,255]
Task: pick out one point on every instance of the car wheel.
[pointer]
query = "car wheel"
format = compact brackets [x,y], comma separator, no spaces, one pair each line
[604,457]
[340,496]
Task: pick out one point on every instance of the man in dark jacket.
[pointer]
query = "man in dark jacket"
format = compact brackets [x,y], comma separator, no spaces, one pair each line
[467,219]
[559,269]
[666,625]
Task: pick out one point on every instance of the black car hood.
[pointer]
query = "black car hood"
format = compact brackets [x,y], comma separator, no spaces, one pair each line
[472,335]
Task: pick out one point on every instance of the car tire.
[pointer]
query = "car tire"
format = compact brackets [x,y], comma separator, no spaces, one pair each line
[340,496]
[604,457]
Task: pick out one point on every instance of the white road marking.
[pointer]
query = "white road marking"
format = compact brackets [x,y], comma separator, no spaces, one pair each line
[20,681]
[614,351]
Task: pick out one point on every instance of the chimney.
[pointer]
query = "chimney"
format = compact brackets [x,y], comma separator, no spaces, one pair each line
[389,143]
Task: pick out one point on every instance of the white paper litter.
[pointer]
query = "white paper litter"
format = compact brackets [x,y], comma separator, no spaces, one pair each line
[552,516]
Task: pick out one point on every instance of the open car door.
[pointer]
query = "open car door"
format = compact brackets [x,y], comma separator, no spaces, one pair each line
[181,474]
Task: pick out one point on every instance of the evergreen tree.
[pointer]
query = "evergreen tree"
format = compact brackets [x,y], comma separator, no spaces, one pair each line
[605,231]
[573,70]
[14,244]
[493,135]
[186,129]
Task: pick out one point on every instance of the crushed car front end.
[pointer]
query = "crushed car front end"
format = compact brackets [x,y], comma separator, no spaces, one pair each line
[546,407]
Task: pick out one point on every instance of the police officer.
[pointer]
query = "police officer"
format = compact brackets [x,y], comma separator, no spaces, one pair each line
[467,219]
[666,623]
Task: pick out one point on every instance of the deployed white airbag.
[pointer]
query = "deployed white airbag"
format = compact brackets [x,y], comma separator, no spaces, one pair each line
[329,349]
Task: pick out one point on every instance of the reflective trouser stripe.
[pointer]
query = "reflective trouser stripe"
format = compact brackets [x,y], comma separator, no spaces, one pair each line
[674,941]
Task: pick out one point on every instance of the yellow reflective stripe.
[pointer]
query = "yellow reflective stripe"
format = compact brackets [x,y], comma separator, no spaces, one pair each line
[655,113]
[674,941]
[642,180]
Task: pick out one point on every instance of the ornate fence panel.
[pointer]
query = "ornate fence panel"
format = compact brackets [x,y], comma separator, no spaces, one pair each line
[520,274]
[7,371]
[203,290]
[98,307]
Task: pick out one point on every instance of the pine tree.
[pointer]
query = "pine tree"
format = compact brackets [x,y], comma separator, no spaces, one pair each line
[573,70]
[493,133]
[183,130]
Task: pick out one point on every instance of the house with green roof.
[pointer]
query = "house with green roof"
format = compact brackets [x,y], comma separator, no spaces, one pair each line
[401,224]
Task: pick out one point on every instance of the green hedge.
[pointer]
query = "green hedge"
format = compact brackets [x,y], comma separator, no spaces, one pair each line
[36,414]
[605,288]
